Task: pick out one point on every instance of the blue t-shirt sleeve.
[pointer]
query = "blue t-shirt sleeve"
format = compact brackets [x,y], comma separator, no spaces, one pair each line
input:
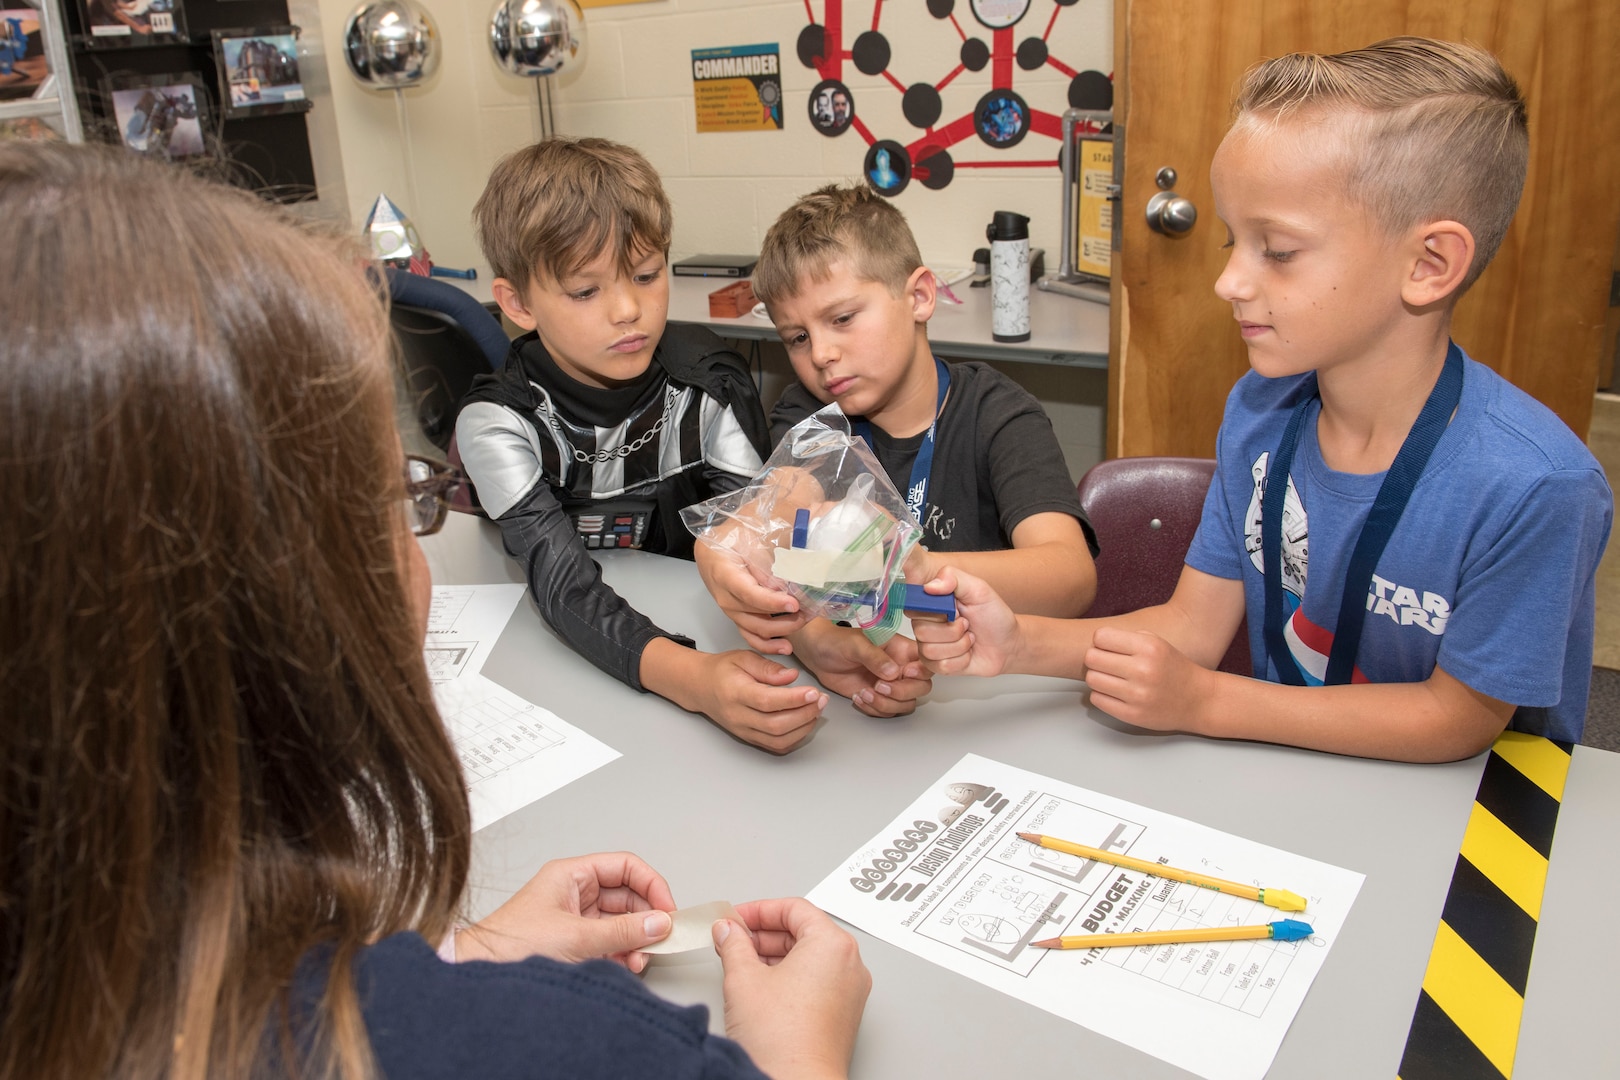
[1217,545]
[1510,627]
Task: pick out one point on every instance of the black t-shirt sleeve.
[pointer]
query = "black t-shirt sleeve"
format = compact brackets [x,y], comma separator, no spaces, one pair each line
[1026,467]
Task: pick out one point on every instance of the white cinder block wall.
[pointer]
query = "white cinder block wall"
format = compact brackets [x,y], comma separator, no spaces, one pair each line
[635,86]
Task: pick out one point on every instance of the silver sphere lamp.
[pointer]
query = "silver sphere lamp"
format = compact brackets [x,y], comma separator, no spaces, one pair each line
[538,39]
[392,45]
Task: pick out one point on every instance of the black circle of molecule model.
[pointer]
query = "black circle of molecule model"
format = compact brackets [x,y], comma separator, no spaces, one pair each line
[921,105]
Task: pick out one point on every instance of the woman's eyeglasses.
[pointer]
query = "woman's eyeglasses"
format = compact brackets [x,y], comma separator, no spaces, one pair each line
[428,487]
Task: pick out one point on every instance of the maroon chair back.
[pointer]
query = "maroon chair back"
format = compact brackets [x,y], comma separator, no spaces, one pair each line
[1145,511]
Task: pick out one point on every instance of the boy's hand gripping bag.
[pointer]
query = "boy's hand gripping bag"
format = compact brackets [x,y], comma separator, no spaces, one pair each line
[821,521]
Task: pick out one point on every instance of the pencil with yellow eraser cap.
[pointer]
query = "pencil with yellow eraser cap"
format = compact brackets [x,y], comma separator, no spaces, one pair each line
[1281,899]
[1281,930]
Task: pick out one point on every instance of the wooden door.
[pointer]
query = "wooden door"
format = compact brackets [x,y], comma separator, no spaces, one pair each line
[1537,314]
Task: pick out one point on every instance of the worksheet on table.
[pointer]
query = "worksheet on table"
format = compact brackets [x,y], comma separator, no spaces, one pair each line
[464,622]
[951,881]
[512,751]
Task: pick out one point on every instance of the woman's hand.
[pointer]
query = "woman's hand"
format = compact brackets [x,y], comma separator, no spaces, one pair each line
[583,908]
[795,988]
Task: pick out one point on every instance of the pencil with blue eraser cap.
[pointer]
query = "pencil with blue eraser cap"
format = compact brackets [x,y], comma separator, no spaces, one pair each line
[1281,930]
[1281,899]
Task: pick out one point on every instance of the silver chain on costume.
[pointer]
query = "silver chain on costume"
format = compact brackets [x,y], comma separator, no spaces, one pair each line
[544,409]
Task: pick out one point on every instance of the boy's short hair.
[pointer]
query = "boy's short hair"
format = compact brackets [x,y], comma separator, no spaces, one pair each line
[555,206]
[852,223]
[1437,130]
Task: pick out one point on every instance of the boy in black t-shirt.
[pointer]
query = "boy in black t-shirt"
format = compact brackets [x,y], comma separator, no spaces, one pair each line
[972,452]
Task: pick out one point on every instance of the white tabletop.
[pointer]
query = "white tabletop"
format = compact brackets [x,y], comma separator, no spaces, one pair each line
[722,820]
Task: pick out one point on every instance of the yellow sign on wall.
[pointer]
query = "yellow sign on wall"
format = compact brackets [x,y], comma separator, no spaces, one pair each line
[738,88]
[1095,242]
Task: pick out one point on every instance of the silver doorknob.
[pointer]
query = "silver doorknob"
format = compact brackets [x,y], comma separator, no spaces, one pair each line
[1170,214]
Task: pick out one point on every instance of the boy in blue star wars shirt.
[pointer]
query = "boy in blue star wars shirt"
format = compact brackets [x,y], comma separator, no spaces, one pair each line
[1413,539]
[602,411]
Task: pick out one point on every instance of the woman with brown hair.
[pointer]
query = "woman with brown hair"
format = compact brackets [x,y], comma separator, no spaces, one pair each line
[231,821]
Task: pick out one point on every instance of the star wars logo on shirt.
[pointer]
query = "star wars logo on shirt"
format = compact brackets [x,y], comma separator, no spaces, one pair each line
[1407,607]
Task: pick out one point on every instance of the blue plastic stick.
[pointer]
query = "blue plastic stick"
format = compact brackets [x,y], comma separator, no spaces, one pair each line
[926,605]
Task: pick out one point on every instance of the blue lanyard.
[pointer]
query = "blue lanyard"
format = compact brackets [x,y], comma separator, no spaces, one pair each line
[1393,495]
[917,493]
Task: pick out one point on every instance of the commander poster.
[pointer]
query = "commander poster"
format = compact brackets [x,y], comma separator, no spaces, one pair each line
[738,88]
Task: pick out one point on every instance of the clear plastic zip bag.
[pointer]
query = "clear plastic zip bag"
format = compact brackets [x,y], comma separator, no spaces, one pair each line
[822,522]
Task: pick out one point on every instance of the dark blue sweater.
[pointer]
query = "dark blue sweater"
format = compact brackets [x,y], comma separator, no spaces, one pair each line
[539,1017]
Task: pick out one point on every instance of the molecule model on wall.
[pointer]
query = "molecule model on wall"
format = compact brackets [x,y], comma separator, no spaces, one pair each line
[1001,118]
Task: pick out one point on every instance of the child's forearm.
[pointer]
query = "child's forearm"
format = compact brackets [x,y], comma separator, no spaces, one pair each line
[1440,719]
[1047,646]
[673,671]
[1047,579]
[1057,647]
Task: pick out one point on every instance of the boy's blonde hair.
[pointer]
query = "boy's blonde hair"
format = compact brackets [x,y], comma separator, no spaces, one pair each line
[852,223]
[1434,130]
[555,206]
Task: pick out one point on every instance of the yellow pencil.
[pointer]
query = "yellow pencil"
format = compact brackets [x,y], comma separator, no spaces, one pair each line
[1281,930]
[1280,899]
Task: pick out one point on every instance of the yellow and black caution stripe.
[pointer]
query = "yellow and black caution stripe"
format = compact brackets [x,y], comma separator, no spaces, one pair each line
[1467,1020]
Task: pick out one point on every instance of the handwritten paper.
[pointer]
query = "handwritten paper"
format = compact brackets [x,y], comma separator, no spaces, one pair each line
[512,751]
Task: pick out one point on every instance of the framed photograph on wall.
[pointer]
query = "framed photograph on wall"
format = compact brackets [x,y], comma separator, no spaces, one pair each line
[163,116]
[258,71]
[117,23]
